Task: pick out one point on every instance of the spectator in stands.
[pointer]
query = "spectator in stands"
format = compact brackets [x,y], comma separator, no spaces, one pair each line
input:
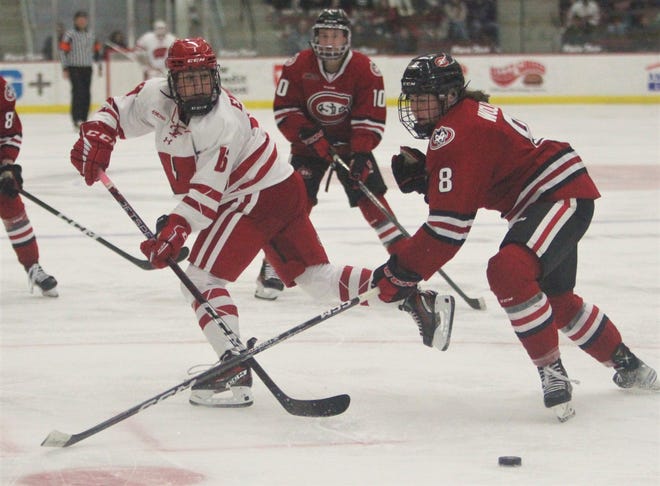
[585,15]
[457,13]
[295,38]
[49,48]
[483,22]
[79,49]
[404,41]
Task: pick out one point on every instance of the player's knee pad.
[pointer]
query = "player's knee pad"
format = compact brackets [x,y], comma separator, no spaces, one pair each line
[512,274]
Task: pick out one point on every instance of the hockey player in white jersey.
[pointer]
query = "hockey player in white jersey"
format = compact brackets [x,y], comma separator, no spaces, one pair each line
[151,49]
[239,195]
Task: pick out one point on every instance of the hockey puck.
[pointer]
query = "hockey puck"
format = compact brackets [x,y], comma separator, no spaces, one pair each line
[509,461]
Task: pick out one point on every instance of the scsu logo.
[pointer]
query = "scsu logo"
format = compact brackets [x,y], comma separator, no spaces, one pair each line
[441,136]
[329,108]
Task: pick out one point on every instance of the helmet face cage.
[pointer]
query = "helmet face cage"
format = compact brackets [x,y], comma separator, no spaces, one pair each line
[331,18]
[194,94]
[436,74]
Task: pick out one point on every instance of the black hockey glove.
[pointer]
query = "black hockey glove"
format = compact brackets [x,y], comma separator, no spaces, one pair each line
[314,138]
[409,169]
[11,180]
[395,283]
[361,166]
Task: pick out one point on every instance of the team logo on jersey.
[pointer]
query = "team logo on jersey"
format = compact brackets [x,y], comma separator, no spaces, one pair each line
[441,137]
[10,94]
[291,60]
[375,71]
[329,108]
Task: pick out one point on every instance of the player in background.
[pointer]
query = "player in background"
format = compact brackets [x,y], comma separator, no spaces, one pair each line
[480,157]
[151,50]
[240,197]
[331,97]
[12,210]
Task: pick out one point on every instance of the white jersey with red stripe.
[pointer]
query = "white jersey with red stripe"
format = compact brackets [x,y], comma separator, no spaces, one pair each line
[211,160]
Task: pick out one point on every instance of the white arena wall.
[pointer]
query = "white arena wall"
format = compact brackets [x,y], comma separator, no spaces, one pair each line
[579,78]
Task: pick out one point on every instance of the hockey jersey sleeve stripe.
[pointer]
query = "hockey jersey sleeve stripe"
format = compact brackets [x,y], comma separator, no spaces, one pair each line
[10,146]
[282,113]
[552,175]
[368,125]
[208,213]
[206,192]
[254,168]
[449,227]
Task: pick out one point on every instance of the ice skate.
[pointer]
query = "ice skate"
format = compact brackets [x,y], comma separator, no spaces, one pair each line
[434,316]
[557,390]
[46,283]
[228,390]
[269,285]
[632,372]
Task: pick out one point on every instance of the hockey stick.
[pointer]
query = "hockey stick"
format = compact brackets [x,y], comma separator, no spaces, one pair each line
[475,303]
[143,264]
[61,439]
[322,407]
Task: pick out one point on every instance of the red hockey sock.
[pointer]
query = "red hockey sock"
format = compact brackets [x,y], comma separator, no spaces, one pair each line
[386,230]
[22,238]
[587,326]
[512,275]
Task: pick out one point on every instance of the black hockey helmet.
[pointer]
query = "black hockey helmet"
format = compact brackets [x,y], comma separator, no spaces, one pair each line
[434,74]
[331,18]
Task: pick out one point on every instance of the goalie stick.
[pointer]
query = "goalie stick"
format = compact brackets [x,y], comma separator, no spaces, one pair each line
[475,303]
[335,406]
[143,264]
[322,407]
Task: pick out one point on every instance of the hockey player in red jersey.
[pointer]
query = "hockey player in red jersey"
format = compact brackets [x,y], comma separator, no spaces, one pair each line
[237,193]
[12,210]
[479,157]
[330,97]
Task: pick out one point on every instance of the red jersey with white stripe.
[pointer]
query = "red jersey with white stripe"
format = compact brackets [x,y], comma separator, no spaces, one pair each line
[212,160]
[479,157]
[349,104]
[11,129]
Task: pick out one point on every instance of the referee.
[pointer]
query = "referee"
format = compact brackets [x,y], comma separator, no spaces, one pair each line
[78,51]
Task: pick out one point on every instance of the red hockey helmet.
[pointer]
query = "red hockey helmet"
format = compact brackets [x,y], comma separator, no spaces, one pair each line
[184,57]
[186,54]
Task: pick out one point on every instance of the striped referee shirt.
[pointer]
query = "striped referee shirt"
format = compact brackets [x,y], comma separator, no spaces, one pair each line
[79,48]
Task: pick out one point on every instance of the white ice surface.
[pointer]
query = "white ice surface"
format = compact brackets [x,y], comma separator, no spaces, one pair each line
[118,335]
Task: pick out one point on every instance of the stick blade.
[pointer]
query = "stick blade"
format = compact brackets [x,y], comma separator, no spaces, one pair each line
[57,439]
[325,407]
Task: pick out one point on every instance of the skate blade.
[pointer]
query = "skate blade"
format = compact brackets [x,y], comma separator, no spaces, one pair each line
[266,293]
[240,396]
[445,315]
[564,411]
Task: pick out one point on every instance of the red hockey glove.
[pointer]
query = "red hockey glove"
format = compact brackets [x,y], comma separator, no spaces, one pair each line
[395,283]
[91,153]
[11,180]
[315,139]
[409,169]
[168,241]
